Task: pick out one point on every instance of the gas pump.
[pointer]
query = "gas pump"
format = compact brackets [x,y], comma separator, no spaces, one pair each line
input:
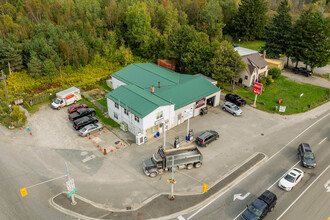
[176,142]
[190,135]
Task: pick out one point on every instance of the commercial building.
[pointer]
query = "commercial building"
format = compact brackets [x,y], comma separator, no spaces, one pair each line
[147,96]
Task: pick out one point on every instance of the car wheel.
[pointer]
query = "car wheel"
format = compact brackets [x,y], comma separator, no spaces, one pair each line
[272,209]
[198,165]
[75,101]
[153,174]
[234,114]
[190,166]
[58,108]
[217,137]
[100,129]
[93,114]
[88,134]
[224,108]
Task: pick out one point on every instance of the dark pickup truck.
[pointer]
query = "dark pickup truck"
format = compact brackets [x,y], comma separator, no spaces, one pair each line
[302,70]
[260,207]
[81,113]
[237,100]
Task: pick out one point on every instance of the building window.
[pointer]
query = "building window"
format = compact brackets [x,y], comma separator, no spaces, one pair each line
[137,118]
[160,115]
[125,111]
[115,115]
[116,105]
[246,77]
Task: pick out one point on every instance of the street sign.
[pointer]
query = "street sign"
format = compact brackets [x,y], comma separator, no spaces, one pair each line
[23,192]
[70,185]
[205,187]
[72,192]
[257,88]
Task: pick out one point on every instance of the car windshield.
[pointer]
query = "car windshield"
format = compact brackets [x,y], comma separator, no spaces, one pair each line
[289,178]
[57,101]
[235,108]
[309,155]
[254,210]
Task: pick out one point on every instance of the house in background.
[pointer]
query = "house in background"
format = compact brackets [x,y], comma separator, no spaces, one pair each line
[256,66]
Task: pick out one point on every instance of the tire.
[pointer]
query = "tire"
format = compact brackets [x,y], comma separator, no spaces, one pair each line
[93,114]
[88,134]
[153,174]
[190,166]
[198,165]
[224,108]
[58,108]
[272,209]
[100,129]
[75,101]
[234,114]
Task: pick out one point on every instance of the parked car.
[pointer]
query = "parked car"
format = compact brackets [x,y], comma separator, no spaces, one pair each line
[290,179]
[236,99]
[76,107]
[86,120]
[232,108]
[302,70]
[81,113]
[260,207]
[91,128]
[306,155]
[206,137]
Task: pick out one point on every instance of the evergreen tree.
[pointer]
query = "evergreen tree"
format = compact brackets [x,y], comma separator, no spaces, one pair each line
[11,52]
[251,19]
[278,31]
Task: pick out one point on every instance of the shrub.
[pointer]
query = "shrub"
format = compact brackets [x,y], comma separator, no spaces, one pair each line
[275,72]
[266,80]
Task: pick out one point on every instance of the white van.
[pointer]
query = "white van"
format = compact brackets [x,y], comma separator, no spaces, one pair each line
[66,97]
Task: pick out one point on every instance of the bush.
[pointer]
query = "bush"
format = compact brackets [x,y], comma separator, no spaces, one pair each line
[266,80]
[275,72]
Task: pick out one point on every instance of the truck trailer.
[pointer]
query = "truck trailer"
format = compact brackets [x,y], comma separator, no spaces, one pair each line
[184,157]
[66,97]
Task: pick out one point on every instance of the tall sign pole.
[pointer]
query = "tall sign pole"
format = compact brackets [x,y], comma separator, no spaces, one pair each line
[171,197]
[4,82]
[257,88]
[164,135]
[70,185]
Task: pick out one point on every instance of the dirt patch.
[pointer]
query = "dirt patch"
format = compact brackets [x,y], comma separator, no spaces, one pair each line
[96,94]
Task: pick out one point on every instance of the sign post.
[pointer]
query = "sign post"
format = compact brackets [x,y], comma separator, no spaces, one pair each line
[257,88]
[70,186]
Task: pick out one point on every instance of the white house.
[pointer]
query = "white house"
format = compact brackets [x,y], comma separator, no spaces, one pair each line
[146,96]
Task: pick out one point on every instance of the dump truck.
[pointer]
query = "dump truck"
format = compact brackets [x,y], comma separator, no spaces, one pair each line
[66,97]
[184,157]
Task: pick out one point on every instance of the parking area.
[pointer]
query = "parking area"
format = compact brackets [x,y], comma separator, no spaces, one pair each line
[119,174]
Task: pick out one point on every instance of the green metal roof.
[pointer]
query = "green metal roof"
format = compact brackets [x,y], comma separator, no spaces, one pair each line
[140,102]
[188,91]
[175,88]
[145,75]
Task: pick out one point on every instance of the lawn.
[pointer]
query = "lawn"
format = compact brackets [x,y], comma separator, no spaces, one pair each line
[253,45]
[289,92]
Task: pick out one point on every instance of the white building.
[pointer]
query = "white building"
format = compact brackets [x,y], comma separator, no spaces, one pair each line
[146,96]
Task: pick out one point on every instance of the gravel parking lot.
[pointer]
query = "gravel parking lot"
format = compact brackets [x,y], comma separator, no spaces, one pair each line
[100,178]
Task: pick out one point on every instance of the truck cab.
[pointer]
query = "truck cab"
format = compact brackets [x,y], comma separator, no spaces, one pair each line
[260,207]
[57,103]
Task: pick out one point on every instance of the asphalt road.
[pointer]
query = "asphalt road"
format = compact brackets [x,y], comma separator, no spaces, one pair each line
[267,176]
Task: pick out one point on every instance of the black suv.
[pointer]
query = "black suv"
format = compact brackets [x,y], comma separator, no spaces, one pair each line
[260,207]
[86,120]
[306,155]
[206,137]
[237,100]
[302,70]
[81,113]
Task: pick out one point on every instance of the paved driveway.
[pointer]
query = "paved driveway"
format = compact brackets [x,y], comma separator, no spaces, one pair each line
[314,80]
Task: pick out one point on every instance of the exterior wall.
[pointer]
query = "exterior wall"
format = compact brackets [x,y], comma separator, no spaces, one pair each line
[246,82]
[180,115]
[116,83]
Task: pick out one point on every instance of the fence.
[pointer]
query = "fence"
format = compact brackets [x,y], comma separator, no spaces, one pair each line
[100,106]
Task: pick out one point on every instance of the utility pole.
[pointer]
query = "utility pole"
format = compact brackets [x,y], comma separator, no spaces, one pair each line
[171,197]
[4,82]
[164,135]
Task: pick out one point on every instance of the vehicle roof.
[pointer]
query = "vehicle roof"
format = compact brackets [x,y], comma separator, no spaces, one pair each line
[306,147]
[206,134]
[268,196]
[260,204]
[230,103]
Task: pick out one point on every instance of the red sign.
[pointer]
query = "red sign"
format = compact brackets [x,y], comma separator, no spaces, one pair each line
[257,88]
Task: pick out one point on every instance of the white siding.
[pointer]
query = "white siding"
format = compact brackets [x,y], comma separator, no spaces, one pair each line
[116,83]
[151,119]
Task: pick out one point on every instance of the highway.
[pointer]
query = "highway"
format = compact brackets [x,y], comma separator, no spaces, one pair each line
[309,195]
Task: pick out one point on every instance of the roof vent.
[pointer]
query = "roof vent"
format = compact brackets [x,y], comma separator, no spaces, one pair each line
[158,84]
[152,89]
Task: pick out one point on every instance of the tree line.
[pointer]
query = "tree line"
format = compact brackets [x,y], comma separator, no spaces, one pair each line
[44,35]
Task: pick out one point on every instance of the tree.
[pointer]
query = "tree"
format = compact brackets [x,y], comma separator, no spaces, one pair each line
[226,63]
[35,65]
[310,40]
[11,51]
[211,21]
[251,19]
[278,31]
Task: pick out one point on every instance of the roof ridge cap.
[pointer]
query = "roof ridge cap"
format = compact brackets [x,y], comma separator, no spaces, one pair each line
[144,96]
[158,74]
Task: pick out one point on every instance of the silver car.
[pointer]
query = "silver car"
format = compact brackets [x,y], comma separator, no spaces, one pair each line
[91,128]
[232,108]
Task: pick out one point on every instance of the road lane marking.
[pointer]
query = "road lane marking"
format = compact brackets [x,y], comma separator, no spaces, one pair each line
[298,136]
[303,193]
[282,175]
[181,218]
[254,170]
[323,140]
[240,197]
[327,186]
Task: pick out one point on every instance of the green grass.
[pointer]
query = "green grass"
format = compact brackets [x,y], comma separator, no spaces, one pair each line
[253,45]
[99,114]
[289,92]
[103,102]
[35,108]
[103,85]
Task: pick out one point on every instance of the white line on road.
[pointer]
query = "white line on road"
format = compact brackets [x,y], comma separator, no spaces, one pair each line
[253,170]
[181,218]
[282,176]
[323,140]
[302,193]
